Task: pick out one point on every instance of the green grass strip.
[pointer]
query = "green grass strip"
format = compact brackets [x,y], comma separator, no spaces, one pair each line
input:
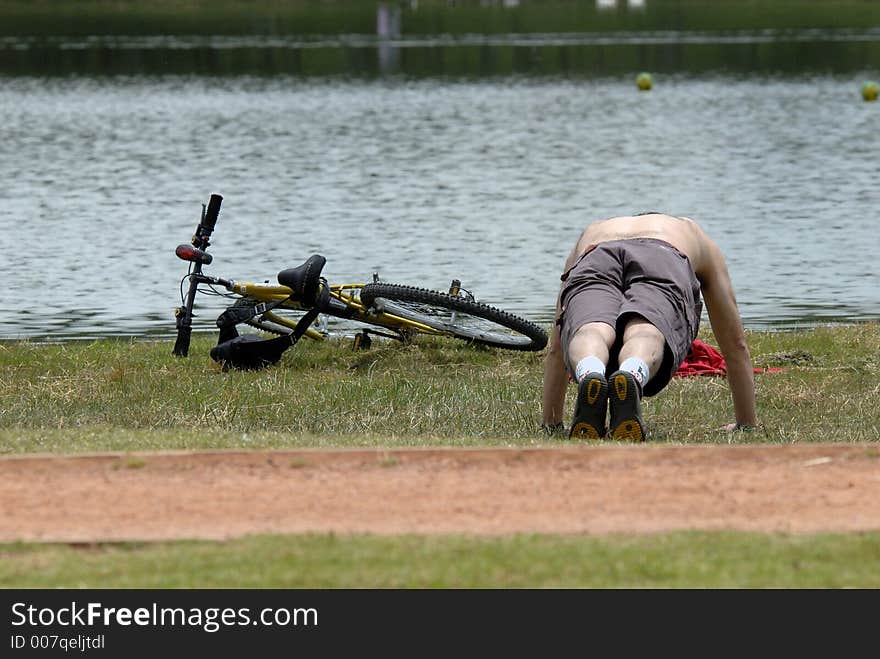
[128,395]
[669,560]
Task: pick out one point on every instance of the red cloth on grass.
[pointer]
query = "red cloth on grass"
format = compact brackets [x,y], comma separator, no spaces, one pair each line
[703,359]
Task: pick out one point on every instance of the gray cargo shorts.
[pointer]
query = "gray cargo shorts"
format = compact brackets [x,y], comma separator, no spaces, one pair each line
[616,280]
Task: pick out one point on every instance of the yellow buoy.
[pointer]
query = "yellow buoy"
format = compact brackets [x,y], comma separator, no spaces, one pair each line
[870,90]
[644,81]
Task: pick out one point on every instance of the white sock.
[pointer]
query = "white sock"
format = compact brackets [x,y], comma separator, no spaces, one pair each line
[638,368]
[591,364]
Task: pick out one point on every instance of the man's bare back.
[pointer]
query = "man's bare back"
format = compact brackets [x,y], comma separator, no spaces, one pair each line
[681,232]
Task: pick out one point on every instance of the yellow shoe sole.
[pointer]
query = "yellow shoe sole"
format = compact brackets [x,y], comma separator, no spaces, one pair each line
[624,401]
[590,408]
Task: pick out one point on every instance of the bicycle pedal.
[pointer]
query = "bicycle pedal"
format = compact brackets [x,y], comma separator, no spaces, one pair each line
[362,341]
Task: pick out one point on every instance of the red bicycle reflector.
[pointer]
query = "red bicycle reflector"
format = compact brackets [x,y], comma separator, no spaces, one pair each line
[190,253]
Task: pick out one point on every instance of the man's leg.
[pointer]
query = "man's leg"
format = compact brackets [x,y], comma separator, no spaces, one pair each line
[587,355]
[591,340]
[641,355]
[641,340]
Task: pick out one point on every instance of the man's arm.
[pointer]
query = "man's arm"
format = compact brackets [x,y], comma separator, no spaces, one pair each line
[555,381]
[728,329]
[555,375]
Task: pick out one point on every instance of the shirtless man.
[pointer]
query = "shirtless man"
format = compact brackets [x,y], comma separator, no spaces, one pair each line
[628,311]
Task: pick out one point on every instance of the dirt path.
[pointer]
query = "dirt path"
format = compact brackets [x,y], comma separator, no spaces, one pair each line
[577,489]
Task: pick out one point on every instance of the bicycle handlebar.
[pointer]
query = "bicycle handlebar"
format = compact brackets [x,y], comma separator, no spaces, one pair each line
[206,225]
[213,211]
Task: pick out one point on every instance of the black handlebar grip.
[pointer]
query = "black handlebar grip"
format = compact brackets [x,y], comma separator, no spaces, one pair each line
[213,211]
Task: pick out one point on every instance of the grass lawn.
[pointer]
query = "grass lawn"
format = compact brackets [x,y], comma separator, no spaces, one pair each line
[671,560]
[131,395]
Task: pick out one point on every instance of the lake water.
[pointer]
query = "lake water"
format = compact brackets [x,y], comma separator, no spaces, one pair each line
[424,175]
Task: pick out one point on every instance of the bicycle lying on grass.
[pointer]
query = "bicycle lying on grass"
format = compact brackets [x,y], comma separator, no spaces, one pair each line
[291,308]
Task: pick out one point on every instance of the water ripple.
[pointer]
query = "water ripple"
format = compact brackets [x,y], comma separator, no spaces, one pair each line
[487,181]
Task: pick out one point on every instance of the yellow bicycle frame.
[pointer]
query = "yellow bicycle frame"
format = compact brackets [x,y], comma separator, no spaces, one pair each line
[345,293]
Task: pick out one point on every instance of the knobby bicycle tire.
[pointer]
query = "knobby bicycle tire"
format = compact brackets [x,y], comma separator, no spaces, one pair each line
[471,321]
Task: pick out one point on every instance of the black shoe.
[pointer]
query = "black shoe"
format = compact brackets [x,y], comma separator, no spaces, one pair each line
[590,408]
[624,398]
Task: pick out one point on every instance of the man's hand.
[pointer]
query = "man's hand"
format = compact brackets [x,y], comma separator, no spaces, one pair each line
[552,429]
[742,427]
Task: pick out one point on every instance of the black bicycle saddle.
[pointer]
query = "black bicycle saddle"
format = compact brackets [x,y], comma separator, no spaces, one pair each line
[304,279]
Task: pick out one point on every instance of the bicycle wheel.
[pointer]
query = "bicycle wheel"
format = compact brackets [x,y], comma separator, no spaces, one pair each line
[461,317]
